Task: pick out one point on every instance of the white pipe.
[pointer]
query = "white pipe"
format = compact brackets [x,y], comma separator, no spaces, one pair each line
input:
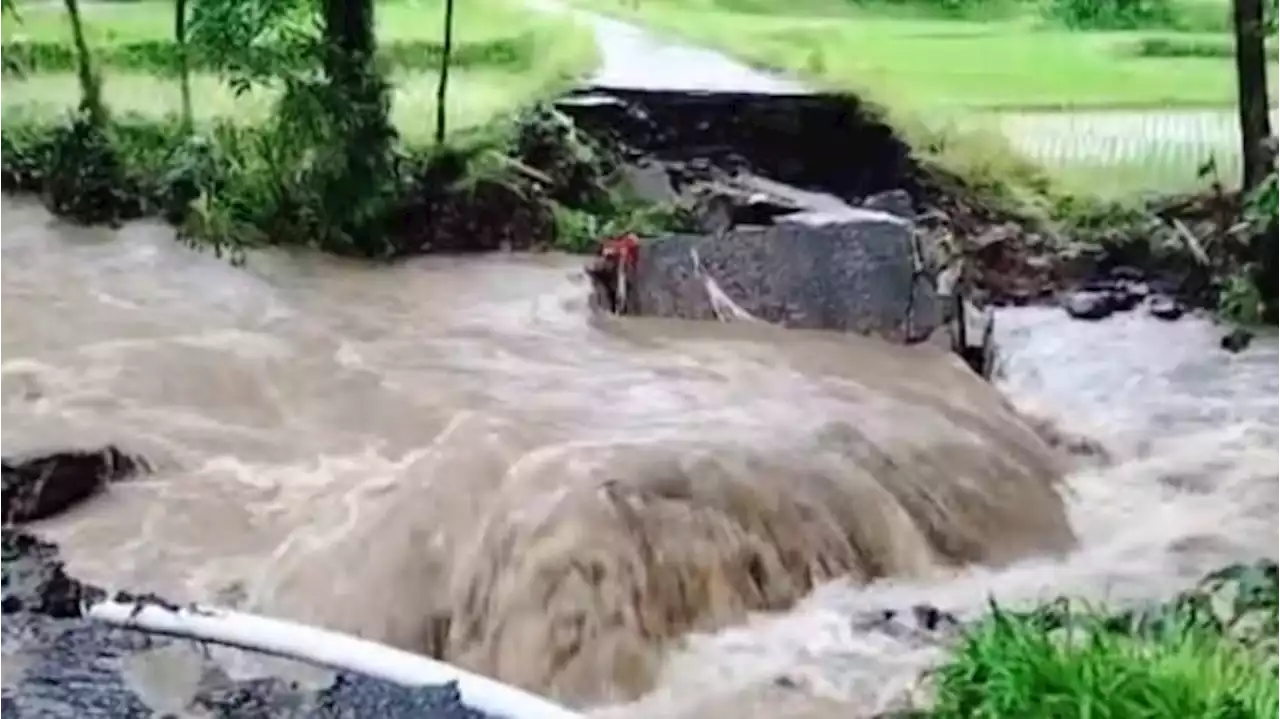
[325,648]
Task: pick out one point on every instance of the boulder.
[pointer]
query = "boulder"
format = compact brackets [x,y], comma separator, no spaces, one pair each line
[856,270]
[40,486]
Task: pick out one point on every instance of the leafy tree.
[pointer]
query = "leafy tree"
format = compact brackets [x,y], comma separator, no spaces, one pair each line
[324,163]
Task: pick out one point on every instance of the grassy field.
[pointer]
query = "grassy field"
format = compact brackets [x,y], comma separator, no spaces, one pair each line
[1010,62]
[549,53]
[1004,71]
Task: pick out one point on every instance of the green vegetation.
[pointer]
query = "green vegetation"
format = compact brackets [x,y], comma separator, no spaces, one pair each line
[1211,652]
[292,137]
[504,58]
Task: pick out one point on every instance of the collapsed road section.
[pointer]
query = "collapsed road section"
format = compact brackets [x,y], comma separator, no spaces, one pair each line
[809,208]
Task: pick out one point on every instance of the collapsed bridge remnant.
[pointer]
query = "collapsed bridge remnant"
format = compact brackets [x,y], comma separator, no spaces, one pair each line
[807,206]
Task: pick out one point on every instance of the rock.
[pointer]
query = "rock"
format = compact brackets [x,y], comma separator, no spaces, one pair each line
[1165,307]
[973,333]
[649,181]
[894,202]
[922,623]
[1126,273]
[994,236]
[1135,293]
[722,207]
[1089,304]
[59,665]
[41,486]
[1237,340]
[855,274]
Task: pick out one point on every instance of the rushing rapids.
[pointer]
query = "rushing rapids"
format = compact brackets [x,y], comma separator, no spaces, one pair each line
[456,456]
[647,518]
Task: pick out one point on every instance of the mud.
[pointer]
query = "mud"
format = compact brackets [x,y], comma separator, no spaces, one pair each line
[830,143]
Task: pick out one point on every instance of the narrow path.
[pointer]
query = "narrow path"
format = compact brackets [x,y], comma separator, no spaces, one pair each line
[633,58]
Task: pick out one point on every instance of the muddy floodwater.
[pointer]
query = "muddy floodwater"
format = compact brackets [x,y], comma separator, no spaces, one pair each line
[454,455]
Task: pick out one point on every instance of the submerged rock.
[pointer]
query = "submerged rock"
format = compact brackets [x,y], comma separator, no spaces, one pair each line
[61,665]
[40,486]
[921,624]
[1165,308]
[1237,340]
[1089,304]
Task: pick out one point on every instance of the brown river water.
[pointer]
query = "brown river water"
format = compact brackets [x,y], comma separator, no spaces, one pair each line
[456,455]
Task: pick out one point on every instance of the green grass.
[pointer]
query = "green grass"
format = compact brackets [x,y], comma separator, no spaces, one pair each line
[477,97]
[557,52]
[398,20]
[1209,652]
[1012,667]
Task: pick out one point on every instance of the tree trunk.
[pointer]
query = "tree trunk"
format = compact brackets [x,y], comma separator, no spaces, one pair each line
[446,58]
[361,100]
[90,85]
[348,29]
[184,66]
[1251,82]
[357,105]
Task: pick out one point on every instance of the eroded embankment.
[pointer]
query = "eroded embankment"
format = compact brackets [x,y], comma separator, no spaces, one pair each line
[1018,239]
[820,142]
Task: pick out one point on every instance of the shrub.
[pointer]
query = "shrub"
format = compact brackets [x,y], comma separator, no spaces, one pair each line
[1112,14]
[229,187]
[85,179]
[1208,653]
[1012,668]
[1192,47]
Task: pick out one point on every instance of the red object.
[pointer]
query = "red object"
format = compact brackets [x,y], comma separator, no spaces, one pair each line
[626,248]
